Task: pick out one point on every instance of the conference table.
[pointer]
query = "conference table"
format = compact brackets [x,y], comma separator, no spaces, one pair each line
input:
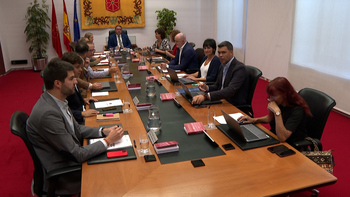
[254,172]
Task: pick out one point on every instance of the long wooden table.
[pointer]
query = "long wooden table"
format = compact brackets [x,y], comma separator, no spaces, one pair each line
[255,172]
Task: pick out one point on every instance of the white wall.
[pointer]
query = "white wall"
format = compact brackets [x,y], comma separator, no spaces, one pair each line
[196,18]
[269,35]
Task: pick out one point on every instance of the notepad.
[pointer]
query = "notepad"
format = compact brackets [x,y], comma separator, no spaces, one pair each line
[124,142]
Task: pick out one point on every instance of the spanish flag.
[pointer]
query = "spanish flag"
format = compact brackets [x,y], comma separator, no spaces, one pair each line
[66,30]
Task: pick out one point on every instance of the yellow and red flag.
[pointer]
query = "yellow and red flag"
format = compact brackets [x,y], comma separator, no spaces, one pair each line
[56,43]
[66,30]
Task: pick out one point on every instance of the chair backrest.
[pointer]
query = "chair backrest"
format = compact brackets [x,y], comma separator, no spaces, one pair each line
[18,127]
[124,31]
[200,55]
[254,74]
[320,105]
[72,45]
[192,44]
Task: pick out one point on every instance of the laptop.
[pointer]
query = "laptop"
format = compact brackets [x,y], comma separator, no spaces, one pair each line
[174,78]
[248,132]
[189,96]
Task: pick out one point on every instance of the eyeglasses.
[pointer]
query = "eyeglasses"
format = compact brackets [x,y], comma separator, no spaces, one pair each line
[119,29]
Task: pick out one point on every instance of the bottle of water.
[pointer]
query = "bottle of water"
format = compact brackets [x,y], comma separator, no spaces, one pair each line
[154,124]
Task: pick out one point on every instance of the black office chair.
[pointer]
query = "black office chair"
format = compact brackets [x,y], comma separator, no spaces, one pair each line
[192,44]
[320,105]
[72,45]
[254,74]
[200,55]
[18,127]
[124,31]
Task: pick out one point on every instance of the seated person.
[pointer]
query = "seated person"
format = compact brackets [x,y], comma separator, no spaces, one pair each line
[55,135]
[186,57]
[75,101]
[210,64]
[118,40]
[83,81]
[89,37]
[172,35]
[95,73]
[232,81]
[161,45]
[287,112]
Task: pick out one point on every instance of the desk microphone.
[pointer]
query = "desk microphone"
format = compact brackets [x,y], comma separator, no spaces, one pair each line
[177,103]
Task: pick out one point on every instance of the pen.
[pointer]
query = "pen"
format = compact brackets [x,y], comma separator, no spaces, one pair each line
[134,144]
[209,106]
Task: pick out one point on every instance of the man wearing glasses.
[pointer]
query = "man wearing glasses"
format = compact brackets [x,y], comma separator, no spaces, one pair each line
[119,40]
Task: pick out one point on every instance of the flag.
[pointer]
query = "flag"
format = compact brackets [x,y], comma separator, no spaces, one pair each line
[76,23]
[56,43]
[66,30]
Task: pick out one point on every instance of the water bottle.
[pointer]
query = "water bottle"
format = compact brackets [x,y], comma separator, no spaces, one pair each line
[150,87]
[154,124]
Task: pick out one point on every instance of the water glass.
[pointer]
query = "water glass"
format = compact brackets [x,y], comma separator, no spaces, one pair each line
[153,65]
[144,143]
[210,120]
[125,71]
[126,105]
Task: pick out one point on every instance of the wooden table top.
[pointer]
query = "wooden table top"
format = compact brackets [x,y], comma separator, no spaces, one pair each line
[255,172]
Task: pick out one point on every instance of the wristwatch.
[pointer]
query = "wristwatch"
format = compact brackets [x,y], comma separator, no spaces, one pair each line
[277,113]
[205,95]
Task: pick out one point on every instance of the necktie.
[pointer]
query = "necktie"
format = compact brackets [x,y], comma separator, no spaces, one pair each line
[120,42]
[70,119]
[224,76]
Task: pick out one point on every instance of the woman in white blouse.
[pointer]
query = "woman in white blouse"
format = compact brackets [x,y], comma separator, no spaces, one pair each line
[210,63]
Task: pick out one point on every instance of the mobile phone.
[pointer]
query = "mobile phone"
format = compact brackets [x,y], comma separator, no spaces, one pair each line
[228,146]
[200,106]
[285,153]
[197,163]
[109,108]
[278,148]
[149,158]
[119,153]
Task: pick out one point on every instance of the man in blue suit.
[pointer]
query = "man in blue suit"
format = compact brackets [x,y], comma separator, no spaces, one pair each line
[186,57]
[119,40]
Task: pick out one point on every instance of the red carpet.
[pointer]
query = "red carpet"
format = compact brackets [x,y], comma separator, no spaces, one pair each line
[17,167]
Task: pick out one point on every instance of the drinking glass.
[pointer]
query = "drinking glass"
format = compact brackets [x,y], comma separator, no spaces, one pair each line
[210,120]
[144,142]
[153,65]
[126,105]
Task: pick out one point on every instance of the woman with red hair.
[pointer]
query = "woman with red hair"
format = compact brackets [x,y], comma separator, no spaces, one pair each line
[287,111]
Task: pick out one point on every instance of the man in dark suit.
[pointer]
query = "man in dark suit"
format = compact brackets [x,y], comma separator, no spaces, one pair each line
[119,40]
[232,81]
[76,102]
[55,135]
[186,57]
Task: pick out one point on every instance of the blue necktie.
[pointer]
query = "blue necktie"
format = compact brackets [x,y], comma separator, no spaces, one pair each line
[224,75]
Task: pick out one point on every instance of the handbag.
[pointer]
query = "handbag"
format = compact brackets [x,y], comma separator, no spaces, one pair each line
[324,159]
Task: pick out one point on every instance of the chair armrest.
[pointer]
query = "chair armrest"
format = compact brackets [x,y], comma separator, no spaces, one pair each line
[54,175]
[303,145]
[64,170]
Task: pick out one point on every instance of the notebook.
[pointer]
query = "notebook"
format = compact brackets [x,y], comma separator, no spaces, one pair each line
[189,95]
[174,78]
[248,132]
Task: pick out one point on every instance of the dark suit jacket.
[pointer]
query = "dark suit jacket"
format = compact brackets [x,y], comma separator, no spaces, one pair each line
[188,60]
[57,145]
[213,69]
[236,84]
[113,41]
[75,103]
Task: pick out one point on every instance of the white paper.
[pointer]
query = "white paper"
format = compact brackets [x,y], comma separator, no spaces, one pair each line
[222,120]
[110,103]
[99,93]
[180,75]
[124,142]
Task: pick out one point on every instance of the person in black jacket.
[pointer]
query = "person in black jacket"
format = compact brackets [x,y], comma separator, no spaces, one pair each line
[232,82]
[75,101]
[209,65]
